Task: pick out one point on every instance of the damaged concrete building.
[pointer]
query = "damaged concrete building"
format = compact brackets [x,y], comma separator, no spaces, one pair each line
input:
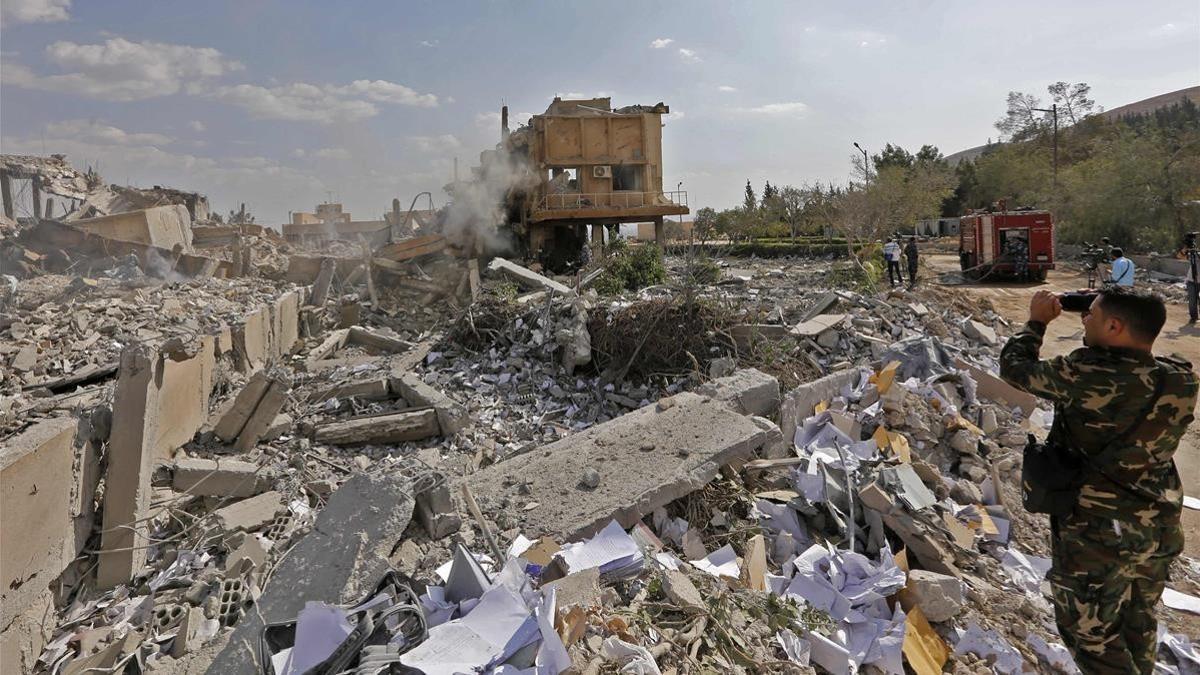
[581,164]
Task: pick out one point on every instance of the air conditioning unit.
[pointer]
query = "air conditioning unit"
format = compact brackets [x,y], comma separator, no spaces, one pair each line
[601,172]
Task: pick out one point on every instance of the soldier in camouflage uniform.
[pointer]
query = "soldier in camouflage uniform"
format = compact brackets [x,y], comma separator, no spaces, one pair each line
[1111,555]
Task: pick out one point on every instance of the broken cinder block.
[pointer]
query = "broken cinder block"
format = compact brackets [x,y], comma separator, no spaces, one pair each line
[394,428]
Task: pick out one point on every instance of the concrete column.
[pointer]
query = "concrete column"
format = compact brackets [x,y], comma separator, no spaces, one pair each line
[659,235]
[6,192]
[597,240]
[130,463]
[35,184]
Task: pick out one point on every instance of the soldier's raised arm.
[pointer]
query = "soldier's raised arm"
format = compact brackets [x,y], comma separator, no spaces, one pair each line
[1020,365]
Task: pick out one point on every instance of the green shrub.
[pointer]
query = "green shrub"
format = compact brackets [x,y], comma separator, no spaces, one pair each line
[630,268]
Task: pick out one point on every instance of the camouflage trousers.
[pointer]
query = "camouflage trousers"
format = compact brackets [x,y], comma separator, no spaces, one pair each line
[1106,578]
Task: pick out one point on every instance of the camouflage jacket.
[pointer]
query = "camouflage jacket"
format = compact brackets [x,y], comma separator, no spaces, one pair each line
[1098,395]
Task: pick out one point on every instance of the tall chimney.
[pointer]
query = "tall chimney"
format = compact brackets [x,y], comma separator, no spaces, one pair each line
[503,123]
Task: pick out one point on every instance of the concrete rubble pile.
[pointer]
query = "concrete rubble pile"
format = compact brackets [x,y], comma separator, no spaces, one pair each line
[423,466]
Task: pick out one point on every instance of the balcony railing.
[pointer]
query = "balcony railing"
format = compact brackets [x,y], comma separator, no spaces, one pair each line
[611,200]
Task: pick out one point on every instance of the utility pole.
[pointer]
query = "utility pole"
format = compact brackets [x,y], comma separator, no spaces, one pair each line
[1053,113]
[866,164]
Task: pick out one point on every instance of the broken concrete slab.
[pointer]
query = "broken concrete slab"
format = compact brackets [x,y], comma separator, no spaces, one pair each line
[217,478]
[527,279]
[931,546]
[249,514]
[747,334]
[979,332]
[376,341]
[46,502]
[818,324]
[234,414]
[264,415]
[824,304]
[130,453]
[340,560]
[393,428]
[680,590]
[800,403]
[578,589]
[992,388]
[333,342]
[647,458]
[748,391]
[939,596]
[452,417]
[435,510]
[368,390]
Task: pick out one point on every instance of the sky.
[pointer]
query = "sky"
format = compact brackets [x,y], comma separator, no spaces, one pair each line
[282,105]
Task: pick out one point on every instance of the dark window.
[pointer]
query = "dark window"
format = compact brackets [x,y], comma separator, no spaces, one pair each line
[627,177]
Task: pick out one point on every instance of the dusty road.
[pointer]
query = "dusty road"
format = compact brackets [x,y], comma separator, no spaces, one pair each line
[1012,301]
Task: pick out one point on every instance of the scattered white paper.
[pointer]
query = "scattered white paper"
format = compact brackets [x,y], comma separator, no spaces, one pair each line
[1191,502]
[552,656]
[720,563]
[519,545]
[634,659]
[612,550]
[668,560]
[798,649]
[1181,601]
[498,626]
[1027,571]
[990,646]
[1055,655]
[320,628]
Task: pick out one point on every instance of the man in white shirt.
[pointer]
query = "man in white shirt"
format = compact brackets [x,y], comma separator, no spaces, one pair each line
[891,253]
[1122,269]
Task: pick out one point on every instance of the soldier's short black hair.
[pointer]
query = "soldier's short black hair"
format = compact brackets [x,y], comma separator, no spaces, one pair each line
[1143,312]
[1117,252]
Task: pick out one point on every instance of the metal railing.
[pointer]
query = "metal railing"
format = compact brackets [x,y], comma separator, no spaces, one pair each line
[621,199]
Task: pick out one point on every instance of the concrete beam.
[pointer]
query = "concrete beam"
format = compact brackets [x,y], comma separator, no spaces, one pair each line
[451,416]
[646,459]
[394,428]
[526,278]
[130,454]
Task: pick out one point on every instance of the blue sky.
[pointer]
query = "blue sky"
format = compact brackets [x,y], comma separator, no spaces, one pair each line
[280,104]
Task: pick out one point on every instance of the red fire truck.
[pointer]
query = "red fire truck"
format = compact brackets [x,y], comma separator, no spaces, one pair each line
[1005,243]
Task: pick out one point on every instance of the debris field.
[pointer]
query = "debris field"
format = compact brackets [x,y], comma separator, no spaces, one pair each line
[225,452]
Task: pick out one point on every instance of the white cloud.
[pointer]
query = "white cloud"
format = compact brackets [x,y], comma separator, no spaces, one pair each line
[660,43]
[298,153]
[34,11]
[332,153]
[689,55]
[121,70]
[382,91]
[786,109]
[437,144]
[86,130]
[299,102]
[427,43]
[197,126]
[726,89]
[324,104]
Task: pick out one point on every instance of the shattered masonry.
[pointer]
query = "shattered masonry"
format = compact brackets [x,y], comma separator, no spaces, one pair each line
[208,429]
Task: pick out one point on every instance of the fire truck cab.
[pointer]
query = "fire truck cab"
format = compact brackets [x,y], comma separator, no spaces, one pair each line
[1006,244]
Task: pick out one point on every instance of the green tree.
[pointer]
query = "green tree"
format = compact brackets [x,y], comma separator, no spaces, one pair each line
[1072,101]
[704,224]
[1021,119]
[892,155]
[750,202]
